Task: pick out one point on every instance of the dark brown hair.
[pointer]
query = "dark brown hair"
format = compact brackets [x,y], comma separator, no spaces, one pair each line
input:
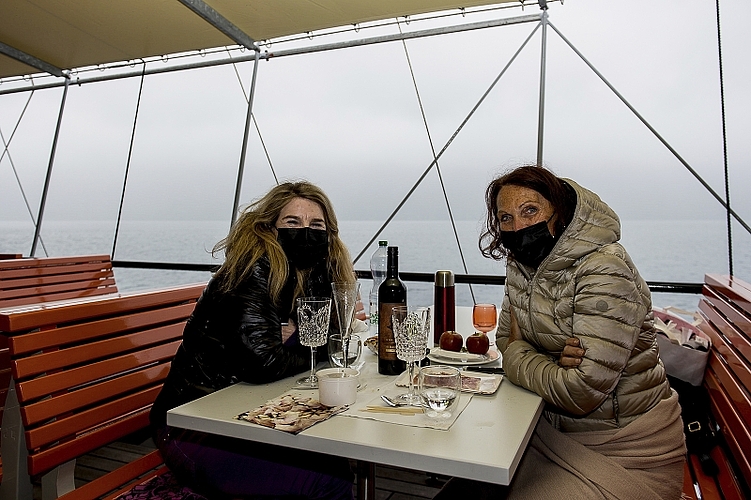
[552,188]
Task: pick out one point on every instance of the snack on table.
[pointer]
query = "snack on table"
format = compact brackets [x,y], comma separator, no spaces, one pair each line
[291,413]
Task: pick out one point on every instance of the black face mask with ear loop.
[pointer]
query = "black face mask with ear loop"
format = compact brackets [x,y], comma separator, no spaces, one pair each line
[529,246]
[304,247]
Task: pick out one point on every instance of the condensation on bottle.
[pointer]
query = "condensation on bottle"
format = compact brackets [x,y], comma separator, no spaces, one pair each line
[378,268]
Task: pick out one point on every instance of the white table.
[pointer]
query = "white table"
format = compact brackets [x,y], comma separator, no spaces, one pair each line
[486,442]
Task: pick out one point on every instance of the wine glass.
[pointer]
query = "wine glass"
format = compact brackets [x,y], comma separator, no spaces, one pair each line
[484,318]
[313,316]
[336,351]
[439,388]
[345,300]
[411,329]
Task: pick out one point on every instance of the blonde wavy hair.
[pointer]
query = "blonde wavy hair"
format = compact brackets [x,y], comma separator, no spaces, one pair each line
[252,236]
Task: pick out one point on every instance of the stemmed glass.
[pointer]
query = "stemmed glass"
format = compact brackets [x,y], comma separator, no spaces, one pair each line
[411,329]
[484,318]
[313,316]
[345,300]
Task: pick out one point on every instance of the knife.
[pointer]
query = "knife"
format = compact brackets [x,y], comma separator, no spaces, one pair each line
[482,369]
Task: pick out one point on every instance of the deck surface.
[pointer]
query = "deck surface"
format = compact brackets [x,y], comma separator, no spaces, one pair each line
[392,483]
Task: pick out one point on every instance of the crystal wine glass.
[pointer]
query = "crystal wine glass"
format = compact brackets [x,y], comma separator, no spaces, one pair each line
[439,388]
[313,316]
[411,329]
[484,318]
[345,300]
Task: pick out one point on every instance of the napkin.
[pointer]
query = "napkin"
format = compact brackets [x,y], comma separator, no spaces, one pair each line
[291,412]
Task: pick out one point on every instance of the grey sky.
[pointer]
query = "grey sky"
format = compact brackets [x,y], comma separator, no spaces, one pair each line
[349,121]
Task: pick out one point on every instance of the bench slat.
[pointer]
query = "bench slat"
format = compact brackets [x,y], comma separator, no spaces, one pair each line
[40,387]
[738,291]
[52,407]
[728,321]
[39,341]
[91,352]
[55,284]
[52,261]
[90,419]
[116,478]
[30,317]
[722,343]
[735,435]
[45,299]
[46,460]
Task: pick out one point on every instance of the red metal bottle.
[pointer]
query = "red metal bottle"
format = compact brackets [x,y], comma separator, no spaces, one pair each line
[444,307]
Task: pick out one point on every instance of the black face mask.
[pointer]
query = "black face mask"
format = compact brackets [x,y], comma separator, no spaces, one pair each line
[529,246]
[304,247]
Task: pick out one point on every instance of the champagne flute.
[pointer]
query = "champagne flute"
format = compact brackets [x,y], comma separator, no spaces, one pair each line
[411,330]
[313,316]
[484,318]
[345,300]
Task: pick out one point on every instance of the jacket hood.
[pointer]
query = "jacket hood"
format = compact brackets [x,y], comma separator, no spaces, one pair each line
[593,225]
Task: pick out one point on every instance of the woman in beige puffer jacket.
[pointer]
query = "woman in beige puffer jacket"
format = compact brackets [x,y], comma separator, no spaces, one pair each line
[576,327]
[589,289]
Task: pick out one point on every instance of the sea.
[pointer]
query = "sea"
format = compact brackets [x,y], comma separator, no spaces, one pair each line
[673,251]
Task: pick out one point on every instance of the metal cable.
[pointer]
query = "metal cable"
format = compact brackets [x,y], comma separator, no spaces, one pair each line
[435,159]
[654,132]
[724,143]
[253,117]
[6,145]
[448,143]
[127,164]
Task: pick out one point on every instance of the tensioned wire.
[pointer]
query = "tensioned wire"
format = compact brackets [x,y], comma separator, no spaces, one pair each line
[448,143]
[127,163]
[253,117]
[6,152]
[435,159]
[724,143]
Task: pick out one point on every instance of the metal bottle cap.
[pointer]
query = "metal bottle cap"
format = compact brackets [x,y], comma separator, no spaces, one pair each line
[444,278]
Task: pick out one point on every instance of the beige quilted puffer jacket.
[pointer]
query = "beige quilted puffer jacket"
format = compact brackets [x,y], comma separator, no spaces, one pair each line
[586,288]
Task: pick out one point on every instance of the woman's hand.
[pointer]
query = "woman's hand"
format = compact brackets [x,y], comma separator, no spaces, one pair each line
[288,330]
[514,331]
[572,355]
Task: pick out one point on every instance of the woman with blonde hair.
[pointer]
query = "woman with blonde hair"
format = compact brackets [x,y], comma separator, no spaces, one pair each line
[284,246]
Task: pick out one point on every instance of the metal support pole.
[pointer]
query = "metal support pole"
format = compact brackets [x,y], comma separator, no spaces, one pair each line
[38,229]
[541,110]
[243,152]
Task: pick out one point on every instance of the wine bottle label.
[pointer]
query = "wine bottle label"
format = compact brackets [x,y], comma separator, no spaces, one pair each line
[386,342]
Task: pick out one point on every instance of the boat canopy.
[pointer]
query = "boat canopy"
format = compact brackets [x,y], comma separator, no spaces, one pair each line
[52,36]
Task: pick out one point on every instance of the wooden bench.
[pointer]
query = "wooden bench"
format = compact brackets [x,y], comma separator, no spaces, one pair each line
[85,374]
[29,281]
[726,309]
[35,280]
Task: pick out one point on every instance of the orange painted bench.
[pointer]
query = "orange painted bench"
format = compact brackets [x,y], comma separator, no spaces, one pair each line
[725,307]
[34,280]
[28,281]
[85,374]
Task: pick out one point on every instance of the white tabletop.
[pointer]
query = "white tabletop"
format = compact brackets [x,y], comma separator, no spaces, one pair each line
[485,443]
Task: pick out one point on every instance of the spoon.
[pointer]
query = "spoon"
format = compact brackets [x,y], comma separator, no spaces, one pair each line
[395,404]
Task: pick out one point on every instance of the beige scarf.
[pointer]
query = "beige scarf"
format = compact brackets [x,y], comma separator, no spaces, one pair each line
[643,460]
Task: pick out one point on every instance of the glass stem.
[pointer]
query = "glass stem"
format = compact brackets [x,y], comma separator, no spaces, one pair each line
[345,351]
[312,363]
[411,377]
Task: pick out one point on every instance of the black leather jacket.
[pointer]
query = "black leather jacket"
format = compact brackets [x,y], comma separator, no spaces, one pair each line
[233,337]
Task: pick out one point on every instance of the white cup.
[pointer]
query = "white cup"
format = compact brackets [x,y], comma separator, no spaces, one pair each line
[337,386]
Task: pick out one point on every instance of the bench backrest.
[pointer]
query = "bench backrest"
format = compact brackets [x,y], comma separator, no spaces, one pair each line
[726,308]
[86,373]
[29,281]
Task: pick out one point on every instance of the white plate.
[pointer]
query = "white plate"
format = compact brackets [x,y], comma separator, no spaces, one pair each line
[474,382]
[462,358]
